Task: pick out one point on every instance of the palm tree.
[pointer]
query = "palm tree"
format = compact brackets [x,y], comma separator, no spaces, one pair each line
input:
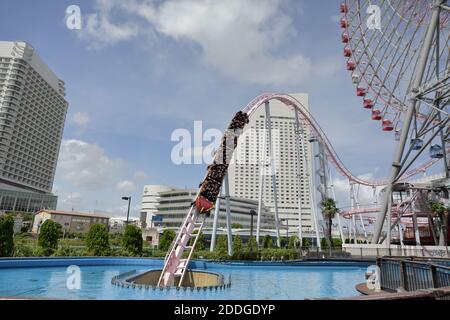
[442,212]
[329,211]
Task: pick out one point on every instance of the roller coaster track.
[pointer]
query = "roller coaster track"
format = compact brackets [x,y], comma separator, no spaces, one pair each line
[307,119]
[175,266]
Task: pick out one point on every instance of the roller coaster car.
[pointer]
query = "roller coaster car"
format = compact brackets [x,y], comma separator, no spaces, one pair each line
[239,121]
[203,205]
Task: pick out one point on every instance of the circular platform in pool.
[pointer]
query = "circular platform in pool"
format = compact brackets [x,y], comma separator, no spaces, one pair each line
[192,279]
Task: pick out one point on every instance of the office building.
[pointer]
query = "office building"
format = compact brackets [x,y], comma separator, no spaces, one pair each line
[32,115]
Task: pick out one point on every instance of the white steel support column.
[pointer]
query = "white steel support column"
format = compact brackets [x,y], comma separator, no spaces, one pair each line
[216,220]
[273,172]
[300,155]
[338,215]
[416,82]
[360,215]
[375,199]
[353,208]
[389,221]
[414,218]
[313,206]
[228,211]
[400,233]
[262,172]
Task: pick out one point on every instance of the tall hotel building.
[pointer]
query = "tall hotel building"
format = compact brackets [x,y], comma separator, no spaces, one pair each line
[32,114]
[244,170]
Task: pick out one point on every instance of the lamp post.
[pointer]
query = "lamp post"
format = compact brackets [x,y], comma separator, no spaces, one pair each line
[129,203]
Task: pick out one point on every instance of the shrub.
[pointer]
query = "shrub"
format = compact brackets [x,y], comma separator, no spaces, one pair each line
[267,242]
[23,250]
[97,240]
[337,243]
[306,243]
[65,251]
[39,252]
[201,242]
[237,247]
[6,236]
[48,237]
[222,248]
[166,239]
[293,242]
[132,240]
[251,249]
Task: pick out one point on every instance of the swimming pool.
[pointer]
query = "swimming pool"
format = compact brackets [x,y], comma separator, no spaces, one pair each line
[46,278]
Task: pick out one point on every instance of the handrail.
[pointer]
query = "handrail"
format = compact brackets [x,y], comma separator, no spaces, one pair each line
[408,274]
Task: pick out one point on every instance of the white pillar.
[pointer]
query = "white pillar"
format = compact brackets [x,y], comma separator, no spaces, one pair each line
[273,173]
[228,210]
[300,155]
[262,171]
[414,218]
[389,222]
[416,229]
[216,220]
[313,206]
[341,232]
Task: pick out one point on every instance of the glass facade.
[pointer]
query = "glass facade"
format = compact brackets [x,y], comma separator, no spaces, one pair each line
[30,202]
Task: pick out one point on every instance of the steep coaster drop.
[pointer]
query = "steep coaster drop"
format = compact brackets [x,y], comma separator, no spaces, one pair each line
[175,267]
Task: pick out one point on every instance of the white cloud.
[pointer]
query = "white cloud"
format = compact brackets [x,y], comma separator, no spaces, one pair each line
[86,166]
[126,186]
[100,31]
[140,175]
[80,119]
[237,38]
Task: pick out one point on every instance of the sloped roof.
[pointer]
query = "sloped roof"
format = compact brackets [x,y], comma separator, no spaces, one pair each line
[74,213]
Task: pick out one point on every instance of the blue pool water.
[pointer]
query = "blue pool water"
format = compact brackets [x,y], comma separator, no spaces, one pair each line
[47,279]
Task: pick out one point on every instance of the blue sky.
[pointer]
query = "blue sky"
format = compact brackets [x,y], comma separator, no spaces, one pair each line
[138,70]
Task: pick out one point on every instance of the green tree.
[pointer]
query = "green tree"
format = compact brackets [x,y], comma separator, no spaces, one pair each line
[251,249]
[293,242]
[440,210]
[97,240]
[329,211]
[201,242]
[132,241]
[267,242]
[165,240]
[6,236]
[222,247]
[306,243]
[237,247]
[48,237]
[236,226]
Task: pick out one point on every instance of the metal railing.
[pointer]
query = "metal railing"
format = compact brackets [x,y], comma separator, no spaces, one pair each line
[412,274]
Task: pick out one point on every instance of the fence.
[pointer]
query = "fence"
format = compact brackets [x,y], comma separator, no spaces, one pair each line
[411,274]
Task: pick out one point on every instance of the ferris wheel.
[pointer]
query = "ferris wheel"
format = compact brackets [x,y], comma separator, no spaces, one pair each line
[397,52]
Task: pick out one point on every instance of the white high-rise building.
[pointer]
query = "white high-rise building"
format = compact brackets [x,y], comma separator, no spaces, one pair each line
[244,170]
[150,200]
[32,115]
